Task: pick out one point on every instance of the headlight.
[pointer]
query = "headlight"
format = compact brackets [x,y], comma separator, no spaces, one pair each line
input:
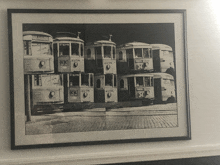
[52,94]
[85,94]
[75,64]
[42,63]
[108,67]
[109,95]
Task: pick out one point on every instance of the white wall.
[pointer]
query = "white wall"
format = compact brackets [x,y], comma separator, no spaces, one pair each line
[203,39]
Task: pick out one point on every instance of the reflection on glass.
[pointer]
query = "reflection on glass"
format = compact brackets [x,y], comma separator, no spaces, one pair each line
[108,80]
[107,51]
[138,52]
[75,49]
[74,80]
[85,79]
[64,49]
[139,81]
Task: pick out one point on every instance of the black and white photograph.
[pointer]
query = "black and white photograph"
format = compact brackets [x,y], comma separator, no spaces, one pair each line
[80,80]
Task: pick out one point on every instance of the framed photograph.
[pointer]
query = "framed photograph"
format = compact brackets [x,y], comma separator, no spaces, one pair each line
[82,77]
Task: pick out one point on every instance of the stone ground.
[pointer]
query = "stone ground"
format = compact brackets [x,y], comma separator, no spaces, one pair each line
[162,116]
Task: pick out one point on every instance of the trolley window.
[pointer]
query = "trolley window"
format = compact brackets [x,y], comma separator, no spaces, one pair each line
[129,53]
[37,80]
[147,53]
[147,81]
[74,81]
[91,80]
[85,79]
[114,80]
[88,53]
[107,51]
[138,52]
[64,49]
[55,49]
[152,81]
[122,83]
[108,80]
[98,83]
[82,49]
[113,52]
[27,47]
[98,54]
[139,81]
[75,49]
[120,55]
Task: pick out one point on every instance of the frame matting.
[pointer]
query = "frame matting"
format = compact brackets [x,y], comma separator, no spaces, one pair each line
[148,26]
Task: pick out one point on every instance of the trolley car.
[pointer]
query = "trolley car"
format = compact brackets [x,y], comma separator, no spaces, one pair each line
[106,88]
[164,88]
[47,89]
[100,57]
[163,60]
[136,87]
[68,53]
[79,88]
[134,57]
[38,55]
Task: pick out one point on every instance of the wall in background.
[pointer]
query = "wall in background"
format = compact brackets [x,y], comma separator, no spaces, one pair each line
[203,40]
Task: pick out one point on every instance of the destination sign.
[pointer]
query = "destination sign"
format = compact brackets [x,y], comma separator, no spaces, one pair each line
[40,37]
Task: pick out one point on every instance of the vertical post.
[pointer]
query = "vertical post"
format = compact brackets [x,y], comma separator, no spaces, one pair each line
[27,96]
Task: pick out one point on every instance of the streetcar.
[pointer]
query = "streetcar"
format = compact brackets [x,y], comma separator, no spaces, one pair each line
[134,57]
[106,88]
[79,87]
[68,53]
[164,88]
[136,87]
[163,60]
[38,54]
[100,57]
[47,89]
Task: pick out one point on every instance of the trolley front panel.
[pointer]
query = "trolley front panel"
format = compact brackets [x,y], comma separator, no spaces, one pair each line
[109,66]
[144,93]
[143,64]
[40,65]
[111,95]
[80,94]
[47,95]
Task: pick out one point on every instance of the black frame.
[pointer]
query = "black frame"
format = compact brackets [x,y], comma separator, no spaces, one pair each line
[187,136]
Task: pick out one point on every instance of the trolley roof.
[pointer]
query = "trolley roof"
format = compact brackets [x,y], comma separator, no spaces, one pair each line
[134,44]
[68,39]
[100,42]
[161,46]
[155,75]
[36,33]
[163,75]
[139,75]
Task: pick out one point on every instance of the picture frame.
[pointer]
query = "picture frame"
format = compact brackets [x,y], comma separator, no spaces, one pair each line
[131,84]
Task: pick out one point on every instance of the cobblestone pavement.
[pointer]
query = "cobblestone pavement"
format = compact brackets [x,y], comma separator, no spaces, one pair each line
[80,123]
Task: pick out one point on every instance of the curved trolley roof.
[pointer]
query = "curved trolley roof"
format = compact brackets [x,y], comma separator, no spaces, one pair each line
[100,42]
[67,36]
[155,75]
[139,75]
[163,75]
[134,44]
[68,39]
[161,46]
[36,33]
